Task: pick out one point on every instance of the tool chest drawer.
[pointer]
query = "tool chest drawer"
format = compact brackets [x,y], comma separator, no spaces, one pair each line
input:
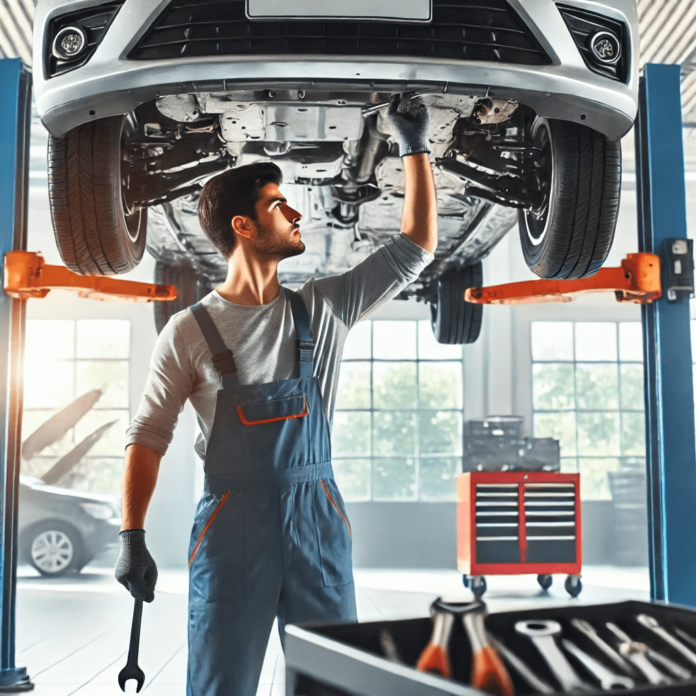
[351,659]
[518,522]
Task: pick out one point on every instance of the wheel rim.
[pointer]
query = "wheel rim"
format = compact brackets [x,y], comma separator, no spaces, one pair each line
[52,551]
[537,218]
[133,216]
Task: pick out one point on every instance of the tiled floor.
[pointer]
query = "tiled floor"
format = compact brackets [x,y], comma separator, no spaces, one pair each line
[72,634]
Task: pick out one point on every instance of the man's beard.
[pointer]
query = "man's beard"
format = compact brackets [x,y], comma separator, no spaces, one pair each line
[272,247]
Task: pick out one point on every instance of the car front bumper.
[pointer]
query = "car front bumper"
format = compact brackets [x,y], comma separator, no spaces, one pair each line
[110,84]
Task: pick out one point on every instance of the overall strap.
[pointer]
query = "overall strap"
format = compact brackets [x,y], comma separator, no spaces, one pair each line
[222,355]
[305,342]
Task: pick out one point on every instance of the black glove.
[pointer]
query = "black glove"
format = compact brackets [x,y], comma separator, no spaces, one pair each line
[409,120]
[135,567]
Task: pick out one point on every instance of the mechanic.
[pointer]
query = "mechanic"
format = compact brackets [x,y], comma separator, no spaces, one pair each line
[259,363]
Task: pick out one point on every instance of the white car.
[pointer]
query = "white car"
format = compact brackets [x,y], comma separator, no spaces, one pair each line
[146,99]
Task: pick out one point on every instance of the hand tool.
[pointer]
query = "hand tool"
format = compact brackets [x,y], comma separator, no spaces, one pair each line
[391,652]
[435,657]
[654,625]
[670,665]
[637,654]
[606,678]
[686,637]
[544,634]
[374,108]
[539,686]
[488,672]
[587,629]
[132,670]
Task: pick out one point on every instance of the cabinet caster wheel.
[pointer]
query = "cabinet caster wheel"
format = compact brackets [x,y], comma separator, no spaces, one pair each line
[573,585]
[465,580]
[478,586]
[545,581]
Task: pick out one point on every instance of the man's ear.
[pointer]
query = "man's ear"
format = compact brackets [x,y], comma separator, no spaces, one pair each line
[241,225]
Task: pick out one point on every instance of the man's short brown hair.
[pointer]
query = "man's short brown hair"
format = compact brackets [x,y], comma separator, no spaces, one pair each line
[234,192]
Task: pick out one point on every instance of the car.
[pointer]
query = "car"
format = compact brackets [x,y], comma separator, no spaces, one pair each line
[147,99]
[62,530]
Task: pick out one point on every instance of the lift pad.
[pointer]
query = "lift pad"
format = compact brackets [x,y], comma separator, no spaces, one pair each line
[27,275]
[637,280]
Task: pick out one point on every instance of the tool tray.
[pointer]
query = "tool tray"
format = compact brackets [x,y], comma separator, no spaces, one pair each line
[348,659]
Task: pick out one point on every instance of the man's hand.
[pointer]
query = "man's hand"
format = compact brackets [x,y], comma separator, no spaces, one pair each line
[408,118]
[135,567]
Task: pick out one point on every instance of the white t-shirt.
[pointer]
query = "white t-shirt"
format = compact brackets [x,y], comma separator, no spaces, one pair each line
[264,343]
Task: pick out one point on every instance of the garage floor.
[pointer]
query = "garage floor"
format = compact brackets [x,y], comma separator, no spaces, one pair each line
[72,634]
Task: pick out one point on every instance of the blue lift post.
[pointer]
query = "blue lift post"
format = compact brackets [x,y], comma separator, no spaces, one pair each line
[669,392]
[15,113]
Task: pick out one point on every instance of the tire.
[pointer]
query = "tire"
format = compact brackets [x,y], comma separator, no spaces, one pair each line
[545,581]
[455,321]
[570,231]
[190,286]
[53,548]
[95,233]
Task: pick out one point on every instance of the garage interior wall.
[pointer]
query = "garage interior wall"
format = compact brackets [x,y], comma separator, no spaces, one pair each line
[497,381]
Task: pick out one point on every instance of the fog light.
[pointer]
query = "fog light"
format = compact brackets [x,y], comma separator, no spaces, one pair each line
[606,47]
[69,43]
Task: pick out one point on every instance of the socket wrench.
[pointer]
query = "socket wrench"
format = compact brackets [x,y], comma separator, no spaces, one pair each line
[607,679]
[544,635]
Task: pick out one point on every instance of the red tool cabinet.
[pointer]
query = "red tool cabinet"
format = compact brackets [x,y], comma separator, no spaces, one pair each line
[514,523]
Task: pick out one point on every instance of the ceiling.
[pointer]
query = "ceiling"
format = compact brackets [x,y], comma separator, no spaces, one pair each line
[667,35]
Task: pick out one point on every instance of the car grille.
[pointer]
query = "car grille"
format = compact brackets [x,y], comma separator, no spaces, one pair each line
[461,30]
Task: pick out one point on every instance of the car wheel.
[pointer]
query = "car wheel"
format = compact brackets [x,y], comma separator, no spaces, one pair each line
[454,320]
[577,183]
[191,288]
[53,548]
[96,232]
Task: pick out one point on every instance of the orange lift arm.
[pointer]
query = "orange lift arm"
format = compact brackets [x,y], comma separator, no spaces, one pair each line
[27,275]
[637,280]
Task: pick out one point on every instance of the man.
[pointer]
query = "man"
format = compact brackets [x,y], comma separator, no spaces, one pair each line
[259,363]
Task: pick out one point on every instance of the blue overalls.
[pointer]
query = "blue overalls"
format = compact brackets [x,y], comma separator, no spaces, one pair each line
[271,537]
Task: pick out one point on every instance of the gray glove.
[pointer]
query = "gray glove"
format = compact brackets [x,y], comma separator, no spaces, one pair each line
[409,121]
[135,567]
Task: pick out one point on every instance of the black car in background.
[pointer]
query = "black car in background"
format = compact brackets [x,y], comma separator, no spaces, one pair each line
[62,530]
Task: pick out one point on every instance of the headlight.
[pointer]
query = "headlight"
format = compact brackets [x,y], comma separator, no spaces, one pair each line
[100,511]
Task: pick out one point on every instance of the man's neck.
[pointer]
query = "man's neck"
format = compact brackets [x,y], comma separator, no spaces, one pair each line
[250,281]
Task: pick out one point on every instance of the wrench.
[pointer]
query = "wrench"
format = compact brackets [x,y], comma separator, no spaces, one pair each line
[654,625]
[587,629]
[637,654]
[607,679]
[675,669]
[539,686]
[132,669]
[374,108]
[544,634]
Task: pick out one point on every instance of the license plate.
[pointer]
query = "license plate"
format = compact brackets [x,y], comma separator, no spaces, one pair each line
[376,10]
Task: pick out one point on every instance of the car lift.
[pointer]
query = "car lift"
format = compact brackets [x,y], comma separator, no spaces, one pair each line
[26,275]
[664,264]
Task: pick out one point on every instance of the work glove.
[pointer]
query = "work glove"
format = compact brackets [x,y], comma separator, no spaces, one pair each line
[135,567]
[408,119]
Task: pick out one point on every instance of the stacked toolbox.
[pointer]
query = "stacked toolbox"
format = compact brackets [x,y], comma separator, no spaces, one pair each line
[518,522]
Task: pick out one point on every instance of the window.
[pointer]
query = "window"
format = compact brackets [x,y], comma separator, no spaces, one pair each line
[587,392]
[65,359]
[397,429]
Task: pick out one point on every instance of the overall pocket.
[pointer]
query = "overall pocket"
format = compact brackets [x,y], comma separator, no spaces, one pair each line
[216,549]
[275,431]
[334,533]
